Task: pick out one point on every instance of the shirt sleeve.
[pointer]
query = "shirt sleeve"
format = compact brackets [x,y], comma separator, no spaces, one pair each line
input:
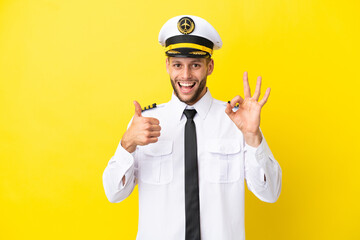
[262,172]
[121,164]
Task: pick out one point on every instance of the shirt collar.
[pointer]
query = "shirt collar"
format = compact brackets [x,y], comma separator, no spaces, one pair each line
[202,106]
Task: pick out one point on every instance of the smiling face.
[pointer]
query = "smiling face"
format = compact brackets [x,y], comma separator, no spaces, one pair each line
[188,77]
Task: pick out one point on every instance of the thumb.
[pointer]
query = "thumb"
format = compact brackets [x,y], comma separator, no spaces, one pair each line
[137,109]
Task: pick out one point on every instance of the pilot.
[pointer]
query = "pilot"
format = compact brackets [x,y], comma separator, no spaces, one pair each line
[191,156]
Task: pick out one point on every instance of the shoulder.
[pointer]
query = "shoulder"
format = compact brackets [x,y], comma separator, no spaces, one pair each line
[221,104]
[153,109]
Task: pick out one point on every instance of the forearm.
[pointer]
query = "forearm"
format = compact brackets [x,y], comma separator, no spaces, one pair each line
[263,173]
[115,191]
[119,176]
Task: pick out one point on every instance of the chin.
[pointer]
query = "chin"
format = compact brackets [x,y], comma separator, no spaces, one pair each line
[193,96]
[188,100]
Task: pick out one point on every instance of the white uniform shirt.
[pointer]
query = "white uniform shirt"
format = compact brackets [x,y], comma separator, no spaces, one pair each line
[224,162]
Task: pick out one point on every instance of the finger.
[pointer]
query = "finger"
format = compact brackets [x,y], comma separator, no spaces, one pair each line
[247,93]
[154,134]
[229,110]
[155,128]
[257,89]
[151,127]
[152,121]
[236,100]
[152,140]
[265,98]
[137,109]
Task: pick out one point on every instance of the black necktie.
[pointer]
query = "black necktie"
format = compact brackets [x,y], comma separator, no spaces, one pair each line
[192,208]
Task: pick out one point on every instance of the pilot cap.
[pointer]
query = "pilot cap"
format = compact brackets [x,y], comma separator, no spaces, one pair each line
[189,36]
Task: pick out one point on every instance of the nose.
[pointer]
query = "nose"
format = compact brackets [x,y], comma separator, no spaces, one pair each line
[186,73]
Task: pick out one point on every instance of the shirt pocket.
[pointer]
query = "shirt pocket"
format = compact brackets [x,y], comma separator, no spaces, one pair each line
[156,163]
[224,160]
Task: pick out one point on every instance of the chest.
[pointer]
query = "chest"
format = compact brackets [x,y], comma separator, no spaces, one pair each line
[219,151]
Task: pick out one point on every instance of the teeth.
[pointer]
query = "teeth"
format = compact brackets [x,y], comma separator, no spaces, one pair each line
[185,84]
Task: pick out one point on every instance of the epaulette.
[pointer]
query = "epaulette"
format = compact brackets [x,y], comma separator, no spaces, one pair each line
[149,107]
[236,105]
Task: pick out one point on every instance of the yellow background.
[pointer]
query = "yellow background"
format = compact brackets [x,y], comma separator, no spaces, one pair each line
[69,71]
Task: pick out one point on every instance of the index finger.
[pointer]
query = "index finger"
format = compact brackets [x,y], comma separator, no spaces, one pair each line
[235,100]
[153,121]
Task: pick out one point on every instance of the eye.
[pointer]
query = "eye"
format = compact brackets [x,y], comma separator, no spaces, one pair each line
[195,65]
[177,65]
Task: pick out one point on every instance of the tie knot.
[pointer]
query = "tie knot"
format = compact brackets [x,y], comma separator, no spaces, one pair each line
[189,113]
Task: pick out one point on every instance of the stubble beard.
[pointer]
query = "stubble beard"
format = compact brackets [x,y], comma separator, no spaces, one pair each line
[196,95]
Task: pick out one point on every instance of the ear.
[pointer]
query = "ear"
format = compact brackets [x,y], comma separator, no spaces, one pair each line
[167,65]
[210,67]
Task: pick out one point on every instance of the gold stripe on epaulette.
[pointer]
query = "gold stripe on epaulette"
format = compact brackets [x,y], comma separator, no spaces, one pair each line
[149,107]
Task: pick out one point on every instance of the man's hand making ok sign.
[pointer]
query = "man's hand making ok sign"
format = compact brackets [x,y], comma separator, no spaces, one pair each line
[247,117]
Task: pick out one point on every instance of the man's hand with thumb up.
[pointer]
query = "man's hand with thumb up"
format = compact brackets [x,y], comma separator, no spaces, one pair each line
[142,131]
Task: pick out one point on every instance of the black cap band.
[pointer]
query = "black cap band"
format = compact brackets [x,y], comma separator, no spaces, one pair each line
[189,39]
